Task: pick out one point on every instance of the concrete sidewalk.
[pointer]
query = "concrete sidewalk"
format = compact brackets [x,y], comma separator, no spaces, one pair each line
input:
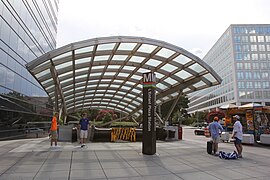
[186,159]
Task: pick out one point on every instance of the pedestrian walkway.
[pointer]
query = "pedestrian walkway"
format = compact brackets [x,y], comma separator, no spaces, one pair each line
[186,159]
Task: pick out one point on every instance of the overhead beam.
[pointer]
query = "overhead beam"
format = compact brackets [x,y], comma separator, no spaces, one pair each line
[58,87]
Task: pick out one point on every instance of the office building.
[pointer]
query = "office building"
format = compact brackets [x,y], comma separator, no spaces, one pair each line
[241,57]
[27,30]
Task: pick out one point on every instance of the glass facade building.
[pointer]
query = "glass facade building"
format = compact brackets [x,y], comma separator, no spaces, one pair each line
[27,30]
[241,57]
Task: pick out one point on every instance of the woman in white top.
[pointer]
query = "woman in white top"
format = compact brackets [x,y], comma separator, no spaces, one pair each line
[238,135]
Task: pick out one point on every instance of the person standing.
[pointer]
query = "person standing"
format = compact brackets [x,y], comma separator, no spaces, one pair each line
[215,129]
[237,134]
[84,126]
[53,129]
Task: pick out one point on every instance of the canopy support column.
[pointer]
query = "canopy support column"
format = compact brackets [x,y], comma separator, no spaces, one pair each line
[58,89]
[173,106]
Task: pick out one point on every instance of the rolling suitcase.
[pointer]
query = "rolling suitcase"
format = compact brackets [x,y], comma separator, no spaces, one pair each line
[209,147]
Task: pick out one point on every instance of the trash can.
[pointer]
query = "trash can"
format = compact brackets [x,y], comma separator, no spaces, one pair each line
[180,132]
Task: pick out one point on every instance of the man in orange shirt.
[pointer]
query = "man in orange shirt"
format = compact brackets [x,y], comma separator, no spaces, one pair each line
[54,129]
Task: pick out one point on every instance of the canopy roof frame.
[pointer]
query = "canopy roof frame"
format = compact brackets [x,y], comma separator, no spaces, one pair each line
[106,72]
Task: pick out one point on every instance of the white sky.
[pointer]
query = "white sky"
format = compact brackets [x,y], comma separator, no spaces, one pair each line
[194,25]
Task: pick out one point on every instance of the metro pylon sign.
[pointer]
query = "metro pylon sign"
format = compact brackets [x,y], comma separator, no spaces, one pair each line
[149,102]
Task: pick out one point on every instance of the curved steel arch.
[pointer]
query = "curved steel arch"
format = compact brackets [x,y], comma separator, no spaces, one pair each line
[112,67]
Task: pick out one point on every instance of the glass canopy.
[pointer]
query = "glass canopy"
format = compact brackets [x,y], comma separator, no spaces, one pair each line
[106,73]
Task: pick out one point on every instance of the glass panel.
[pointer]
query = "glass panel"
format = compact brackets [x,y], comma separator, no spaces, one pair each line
[153,62]
[70,79]
[168,67]
[164,52]
[170,81]
[182,59]
[137,59]
[142,70]
[102,47]
[62,56]
[136,77]
[159,75]
[186,90]
[137,91]
[123,74]
[147,48]
[91,85]
[113,67]
[130,83]
[161,86]
[83,60]
[42,73]
[115,86]
[101,58]
[183,74]
[119,57]
[95,74]
[98,67]
[78,88]
[118,81]
[109,73]
[125,87]
[210,78]
[127,46]
[131,68]
[84,50]
[196,67]
[81,76]
[199,84]
[64,65]
[93,81]
[82,69]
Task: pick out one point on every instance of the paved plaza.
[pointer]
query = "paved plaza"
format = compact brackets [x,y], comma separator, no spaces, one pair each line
[186,159]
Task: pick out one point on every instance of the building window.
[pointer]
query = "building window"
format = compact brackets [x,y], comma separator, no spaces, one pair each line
[238,57]
[265,85]
[247,66]
[260,38]
[266,94]
[249,85]
[239,66]
[241,85]
[253,47]
[267,38]
[248,75]
[250,94]
[263,65]
[261,47]
[254,57]
[258,94]
[252,39]
[245,48]
[267,47]
[242,95]
[238,48]
[257,85]
[245,39]
[262,56]
[237,39]
[257,75]
[240,75]
[265,75]
[255,65]
[246,56]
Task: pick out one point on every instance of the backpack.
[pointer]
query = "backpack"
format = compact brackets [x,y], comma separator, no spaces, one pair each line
[230,155]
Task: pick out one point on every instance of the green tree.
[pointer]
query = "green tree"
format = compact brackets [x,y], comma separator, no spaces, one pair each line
[181,106]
